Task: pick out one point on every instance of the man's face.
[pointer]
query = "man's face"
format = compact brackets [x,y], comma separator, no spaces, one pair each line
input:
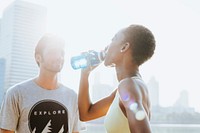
[52,58]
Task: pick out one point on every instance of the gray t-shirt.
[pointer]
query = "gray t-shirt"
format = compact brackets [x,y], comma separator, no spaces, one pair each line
[30,108]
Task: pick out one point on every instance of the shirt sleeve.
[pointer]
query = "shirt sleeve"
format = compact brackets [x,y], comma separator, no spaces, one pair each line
[9,112]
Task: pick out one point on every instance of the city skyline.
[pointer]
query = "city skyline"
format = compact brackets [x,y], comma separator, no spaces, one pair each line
[100,90]
[160,115]
[19,34]
[174,64]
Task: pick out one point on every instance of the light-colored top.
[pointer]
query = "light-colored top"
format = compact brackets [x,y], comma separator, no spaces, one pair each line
[28,108]
[115,120]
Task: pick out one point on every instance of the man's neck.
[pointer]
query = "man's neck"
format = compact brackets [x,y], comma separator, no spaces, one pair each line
[49,82]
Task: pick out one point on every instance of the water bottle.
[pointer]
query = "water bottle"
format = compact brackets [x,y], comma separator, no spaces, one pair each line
[90,58]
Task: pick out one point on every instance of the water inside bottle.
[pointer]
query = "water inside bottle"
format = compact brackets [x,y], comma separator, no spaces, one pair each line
[78,62]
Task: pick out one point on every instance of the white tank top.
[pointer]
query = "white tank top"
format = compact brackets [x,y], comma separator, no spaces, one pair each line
[115,121]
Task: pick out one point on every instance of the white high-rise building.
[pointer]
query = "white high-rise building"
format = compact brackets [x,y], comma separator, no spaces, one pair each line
[153,87]
[183,100]
[23,23]
[2,75]
[0,31]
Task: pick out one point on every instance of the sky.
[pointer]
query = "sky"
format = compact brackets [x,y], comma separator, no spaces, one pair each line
[91,24]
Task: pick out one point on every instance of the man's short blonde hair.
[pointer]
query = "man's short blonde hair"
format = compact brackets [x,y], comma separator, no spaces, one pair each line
[47,40]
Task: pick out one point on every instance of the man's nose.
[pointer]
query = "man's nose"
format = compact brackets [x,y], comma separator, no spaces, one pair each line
[58,56]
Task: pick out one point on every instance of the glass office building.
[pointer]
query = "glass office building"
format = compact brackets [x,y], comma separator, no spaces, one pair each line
[22,24]
[2,75]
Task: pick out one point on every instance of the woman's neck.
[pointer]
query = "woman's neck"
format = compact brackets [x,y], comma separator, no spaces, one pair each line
[123,72]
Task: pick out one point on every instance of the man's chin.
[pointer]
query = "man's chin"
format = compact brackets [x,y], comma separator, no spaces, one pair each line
[57,70]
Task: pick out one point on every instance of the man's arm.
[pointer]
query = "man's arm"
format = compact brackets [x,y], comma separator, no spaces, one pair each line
[87,109]
[132,99]
[6,131]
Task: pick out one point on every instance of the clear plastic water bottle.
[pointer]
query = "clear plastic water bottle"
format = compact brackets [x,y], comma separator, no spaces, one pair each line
[90,58]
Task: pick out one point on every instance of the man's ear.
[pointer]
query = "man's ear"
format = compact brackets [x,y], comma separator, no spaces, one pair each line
[37,57]
[125,47]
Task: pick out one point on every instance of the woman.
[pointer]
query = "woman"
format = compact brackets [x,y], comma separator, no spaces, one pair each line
[127,109]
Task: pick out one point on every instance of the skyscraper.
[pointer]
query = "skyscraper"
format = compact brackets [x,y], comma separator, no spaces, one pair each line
[0,31]
[153,87]
[183,100]
[22,25]
[2,73]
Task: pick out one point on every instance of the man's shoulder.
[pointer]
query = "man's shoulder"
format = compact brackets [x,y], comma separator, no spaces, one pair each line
[20,85]
[69,90]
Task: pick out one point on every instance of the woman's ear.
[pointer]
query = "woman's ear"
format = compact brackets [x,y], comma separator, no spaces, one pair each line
[125,47]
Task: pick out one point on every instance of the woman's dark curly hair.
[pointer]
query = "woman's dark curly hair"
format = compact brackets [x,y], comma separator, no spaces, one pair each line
[142,43]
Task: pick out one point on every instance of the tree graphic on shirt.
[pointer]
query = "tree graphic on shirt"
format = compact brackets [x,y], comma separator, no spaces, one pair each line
[47,128]
[61,130]
[34,130]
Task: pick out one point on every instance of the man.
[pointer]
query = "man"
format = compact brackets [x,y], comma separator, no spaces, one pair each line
[42,104]
[127,109]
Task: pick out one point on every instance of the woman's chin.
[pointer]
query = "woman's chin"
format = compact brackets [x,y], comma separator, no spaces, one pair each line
[109,64]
